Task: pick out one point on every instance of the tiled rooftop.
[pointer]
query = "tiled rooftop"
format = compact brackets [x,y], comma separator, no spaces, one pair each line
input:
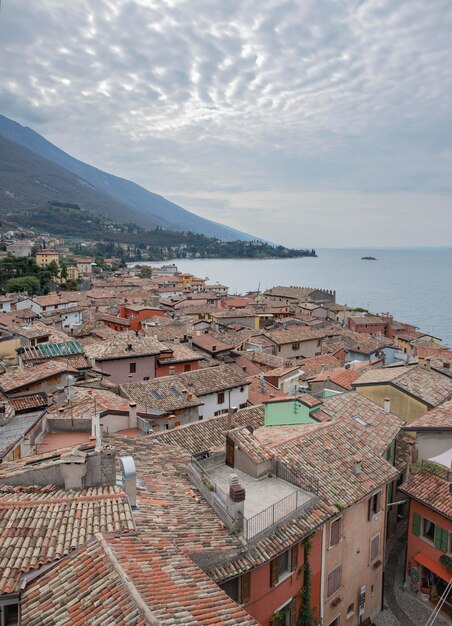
[14,430]
[16,378]
[213,379]
[426,385]
[85,402]
[293,334]
[209,434]
[317,365]
[30,402]
[439,418]
[373,425]
[299,293]
[41,524]
[129,581]
[164,394]
[430,489]
[124,345]
[169,505]
[327,453]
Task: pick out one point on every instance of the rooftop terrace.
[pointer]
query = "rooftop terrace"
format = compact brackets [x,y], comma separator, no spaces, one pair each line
[270,500]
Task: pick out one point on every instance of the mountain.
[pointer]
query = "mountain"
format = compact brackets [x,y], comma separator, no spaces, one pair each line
[27,181]
[76,179]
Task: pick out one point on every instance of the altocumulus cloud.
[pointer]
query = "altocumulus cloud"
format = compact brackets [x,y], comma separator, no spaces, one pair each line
[326,118]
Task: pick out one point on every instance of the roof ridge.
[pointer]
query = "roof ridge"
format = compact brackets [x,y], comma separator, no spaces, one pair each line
[126,580]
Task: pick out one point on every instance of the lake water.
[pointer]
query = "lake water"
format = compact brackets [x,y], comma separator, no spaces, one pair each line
[415,285]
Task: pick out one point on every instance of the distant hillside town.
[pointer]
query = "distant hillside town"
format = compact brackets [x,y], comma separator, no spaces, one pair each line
[172,453]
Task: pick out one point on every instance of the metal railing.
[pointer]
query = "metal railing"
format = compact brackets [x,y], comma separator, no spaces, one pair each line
[208,483]
[284,473]
[259,523]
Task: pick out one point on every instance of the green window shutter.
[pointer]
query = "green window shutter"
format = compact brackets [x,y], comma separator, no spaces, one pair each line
[437,537]
[417,524]
[444,540]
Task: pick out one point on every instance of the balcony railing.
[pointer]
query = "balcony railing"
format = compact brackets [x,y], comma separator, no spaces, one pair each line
[284,473]
[276,513]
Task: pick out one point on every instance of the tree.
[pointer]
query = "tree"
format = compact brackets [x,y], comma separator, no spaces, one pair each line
[146,272]
[23,283]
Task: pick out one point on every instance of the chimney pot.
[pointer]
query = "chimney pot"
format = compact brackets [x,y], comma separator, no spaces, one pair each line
[231,418]
[129,478]
[387,405]
[357,465]
[428,363]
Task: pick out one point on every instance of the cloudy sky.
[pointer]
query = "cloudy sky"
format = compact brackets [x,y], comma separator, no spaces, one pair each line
[310,122]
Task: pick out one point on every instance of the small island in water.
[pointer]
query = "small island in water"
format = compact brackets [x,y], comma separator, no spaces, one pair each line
[368,258]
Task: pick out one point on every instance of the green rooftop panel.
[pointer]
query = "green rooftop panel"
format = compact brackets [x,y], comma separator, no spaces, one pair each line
[286,412]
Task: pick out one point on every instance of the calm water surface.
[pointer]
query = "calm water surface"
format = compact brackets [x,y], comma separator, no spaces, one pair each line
[415,285]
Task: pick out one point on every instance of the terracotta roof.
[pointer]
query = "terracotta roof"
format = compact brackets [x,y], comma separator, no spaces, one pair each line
[342,377]
[52,299]
[430,489]
[30,402]
[282,538]
[428,386]
[168,504]
[376,428]
[208,342]
[293,334]
[298,293]
[250,445]
[16,378]
[209,434]
[265,359]
[243,364]
[439,418]
[280,372]
[231,337]
[181,353]
[129,581]
[164,394]
[124,345]
[168,332]
[262,391]
[12,433]
[213,379]
[53,522]
[317,365]
[362,320]
[84,402]
[327,453]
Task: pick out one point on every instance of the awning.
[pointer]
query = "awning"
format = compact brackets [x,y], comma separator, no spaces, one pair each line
[433,566]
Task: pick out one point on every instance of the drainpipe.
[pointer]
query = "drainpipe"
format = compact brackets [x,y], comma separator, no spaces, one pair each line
[322,577]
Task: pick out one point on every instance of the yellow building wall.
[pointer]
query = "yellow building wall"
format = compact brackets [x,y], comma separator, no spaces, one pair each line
[8,349]
[45,259]
[403,405]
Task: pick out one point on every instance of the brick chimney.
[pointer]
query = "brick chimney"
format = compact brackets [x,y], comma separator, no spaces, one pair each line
[387,405]
[236,500]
